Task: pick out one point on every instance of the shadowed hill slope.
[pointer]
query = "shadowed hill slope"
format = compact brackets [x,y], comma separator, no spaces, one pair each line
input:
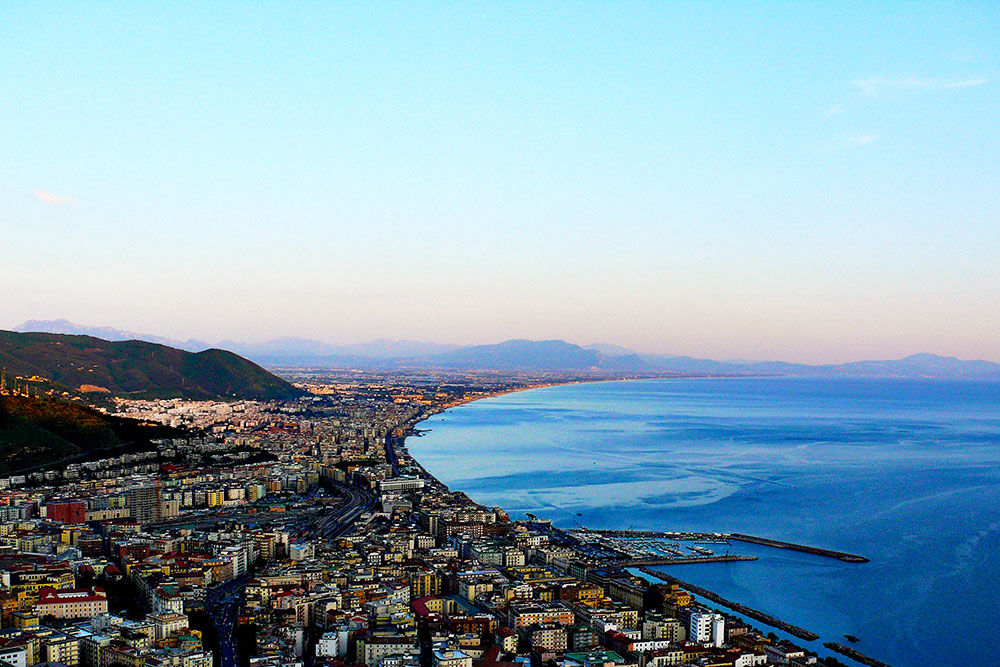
[40,431]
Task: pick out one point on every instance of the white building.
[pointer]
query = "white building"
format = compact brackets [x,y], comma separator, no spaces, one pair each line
[332,645]
[707,627]
[400,484]
[15,656]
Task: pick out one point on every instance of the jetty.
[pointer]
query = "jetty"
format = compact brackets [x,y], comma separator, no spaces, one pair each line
[854,654]
[719,538]
[778,544]
[749,612]
[712,538]
[681,560]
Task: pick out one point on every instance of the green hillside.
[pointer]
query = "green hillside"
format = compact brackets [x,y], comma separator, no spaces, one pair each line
[137,369]
[38,431]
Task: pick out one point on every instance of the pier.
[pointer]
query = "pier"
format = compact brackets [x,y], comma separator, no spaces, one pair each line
[681,560]
[749,612]
[778,544]
[854,654]
[721,538]
[712,538]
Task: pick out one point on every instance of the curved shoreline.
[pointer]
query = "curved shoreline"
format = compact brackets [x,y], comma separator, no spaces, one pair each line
[754,614]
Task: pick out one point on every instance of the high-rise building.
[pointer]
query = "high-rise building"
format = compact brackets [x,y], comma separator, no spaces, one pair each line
[707,626]
[144,503]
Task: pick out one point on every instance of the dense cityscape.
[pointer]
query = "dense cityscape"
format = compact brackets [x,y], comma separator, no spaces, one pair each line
[499,334]
[299,533]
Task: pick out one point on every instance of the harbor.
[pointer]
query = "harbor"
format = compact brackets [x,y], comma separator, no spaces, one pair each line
[647,547]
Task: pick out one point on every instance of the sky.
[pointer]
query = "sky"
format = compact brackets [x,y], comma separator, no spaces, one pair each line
[813,182]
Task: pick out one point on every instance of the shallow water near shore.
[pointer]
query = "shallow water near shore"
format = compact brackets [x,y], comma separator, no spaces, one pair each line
[904,472]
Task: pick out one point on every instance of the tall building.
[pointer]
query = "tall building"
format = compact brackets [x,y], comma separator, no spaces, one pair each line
[707,626]
[144,503]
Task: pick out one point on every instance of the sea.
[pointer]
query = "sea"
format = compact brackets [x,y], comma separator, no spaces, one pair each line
[905,472]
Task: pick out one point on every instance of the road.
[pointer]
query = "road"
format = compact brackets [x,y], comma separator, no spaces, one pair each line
[222,603]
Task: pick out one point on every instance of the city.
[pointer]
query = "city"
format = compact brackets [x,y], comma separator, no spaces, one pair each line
[300,533]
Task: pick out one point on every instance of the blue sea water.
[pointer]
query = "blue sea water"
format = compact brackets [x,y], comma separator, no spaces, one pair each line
[904,472]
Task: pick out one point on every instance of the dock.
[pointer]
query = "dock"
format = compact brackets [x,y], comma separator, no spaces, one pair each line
[854,654]
[681,560]
[714,538]
[778,544]
[749,612]
[719,538]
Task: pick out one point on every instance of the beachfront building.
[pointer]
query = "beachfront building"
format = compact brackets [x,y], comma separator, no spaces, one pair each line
[707,627]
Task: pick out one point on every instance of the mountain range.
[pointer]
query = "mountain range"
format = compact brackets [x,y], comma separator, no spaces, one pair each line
[545,356]
[285,351]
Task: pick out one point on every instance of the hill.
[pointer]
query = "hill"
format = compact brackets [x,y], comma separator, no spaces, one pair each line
[285,351]
[138,369]
[289,351]
[914,366]
[543,355]
[41,431]
[558,355]
[107,333]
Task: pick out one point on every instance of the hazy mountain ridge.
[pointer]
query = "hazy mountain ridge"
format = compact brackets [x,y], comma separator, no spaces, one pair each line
[138,369]
[545,355]
[285,350]
[559,355]
[914,366]
[106,333]
[302,350]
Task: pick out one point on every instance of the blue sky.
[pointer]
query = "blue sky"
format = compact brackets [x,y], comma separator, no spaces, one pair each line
[807,181]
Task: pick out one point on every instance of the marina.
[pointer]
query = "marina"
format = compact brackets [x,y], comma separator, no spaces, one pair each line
[644,547]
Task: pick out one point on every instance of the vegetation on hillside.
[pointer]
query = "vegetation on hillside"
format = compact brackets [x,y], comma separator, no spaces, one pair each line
[38,431]
[137,369]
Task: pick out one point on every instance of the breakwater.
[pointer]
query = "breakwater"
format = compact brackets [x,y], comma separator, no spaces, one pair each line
[749,612]
[658,534]
[725,538]
[854,654]
[778,544]
[685,560]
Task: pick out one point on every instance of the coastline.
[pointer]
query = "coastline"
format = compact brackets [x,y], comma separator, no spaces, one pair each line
[766,619]
[539,385]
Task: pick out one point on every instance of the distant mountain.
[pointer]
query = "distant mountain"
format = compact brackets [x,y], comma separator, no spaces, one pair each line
[290,351]
[610,350]
[915,366]
[385,348]
[137,369]
[528,355]
[107,333]
[281,351]
[558,355]
[544,355]
[285,351]
[919,365]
